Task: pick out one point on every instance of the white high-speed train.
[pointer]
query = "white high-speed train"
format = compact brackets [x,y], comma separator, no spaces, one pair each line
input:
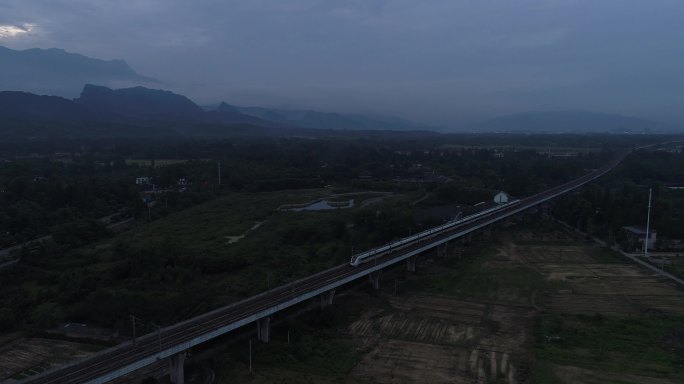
[391,247]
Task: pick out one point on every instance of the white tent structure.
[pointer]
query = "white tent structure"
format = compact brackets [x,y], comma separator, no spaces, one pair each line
[501,197]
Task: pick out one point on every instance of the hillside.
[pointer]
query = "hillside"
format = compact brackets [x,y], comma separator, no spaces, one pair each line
[103,112]
[57,72]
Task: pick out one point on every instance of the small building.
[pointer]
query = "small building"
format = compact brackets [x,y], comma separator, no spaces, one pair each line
[501,197]
[636,237]
[142,180]
[665,243]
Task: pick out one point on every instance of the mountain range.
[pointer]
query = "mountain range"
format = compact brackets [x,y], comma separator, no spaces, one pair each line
[164,112]
[25,74]
[137,105]
[57,72]
[101,112]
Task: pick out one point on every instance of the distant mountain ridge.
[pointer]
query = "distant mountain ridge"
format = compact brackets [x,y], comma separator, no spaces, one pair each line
[140,103]
[137,112]
[327,120]
[24,106]
[137,105]
[571,122]
[140,111]
[57,72]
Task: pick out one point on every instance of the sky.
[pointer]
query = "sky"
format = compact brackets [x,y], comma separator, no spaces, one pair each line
[433,61]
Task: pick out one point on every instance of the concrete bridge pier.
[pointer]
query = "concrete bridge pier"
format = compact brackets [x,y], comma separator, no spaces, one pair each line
[374,278]
[176,370]
[264,329]
[442,250]
[327,298]
[488,231]
[411,263]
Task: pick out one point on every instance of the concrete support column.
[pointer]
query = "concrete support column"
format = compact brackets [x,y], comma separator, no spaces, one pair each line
[442,250]
[327,298]
[264,329]
[176,371]
[411,263]
[488,231]
[374,278]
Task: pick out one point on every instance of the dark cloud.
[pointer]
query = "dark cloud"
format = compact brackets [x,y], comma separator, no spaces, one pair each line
[439,61]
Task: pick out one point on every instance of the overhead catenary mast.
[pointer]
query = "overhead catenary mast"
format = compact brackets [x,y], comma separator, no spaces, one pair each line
[219,173]
[648,222]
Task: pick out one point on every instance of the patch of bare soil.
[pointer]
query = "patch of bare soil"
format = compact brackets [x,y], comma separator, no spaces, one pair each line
[25,357]
[575,375]
[593,287]
[443,340]
[436,339]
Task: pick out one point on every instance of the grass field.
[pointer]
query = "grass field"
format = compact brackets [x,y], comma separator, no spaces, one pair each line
[189,262]
[487,275]
[640,345]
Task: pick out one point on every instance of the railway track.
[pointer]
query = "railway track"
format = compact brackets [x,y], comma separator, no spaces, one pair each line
[150,348]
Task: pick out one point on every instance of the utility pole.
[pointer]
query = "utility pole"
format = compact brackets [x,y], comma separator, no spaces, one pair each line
[158,335]
[219,173]
[250,355]
[648,222]
[133,319]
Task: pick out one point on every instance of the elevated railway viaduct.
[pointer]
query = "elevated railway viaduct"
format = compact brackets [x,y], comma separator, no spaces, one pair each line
[172,343]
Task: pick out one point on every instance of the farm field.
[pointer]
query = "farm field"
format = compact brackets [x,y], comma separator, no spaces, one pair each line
[530,307]
[24,357]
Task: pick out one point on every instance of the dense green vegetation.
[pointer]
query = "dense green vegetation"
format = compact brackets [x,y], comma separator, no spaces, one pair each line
[155,270]
[65,196]
[621,198]
[68,187]
[179,252]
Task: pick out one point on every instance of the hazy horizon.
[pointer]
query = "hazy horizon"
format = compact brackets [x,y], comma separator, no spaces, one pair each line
[438,62]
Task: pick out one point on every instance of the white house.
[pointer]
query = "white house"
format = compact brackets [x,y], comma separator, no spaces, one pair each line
[501,197]
[142,180]
[636,237]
